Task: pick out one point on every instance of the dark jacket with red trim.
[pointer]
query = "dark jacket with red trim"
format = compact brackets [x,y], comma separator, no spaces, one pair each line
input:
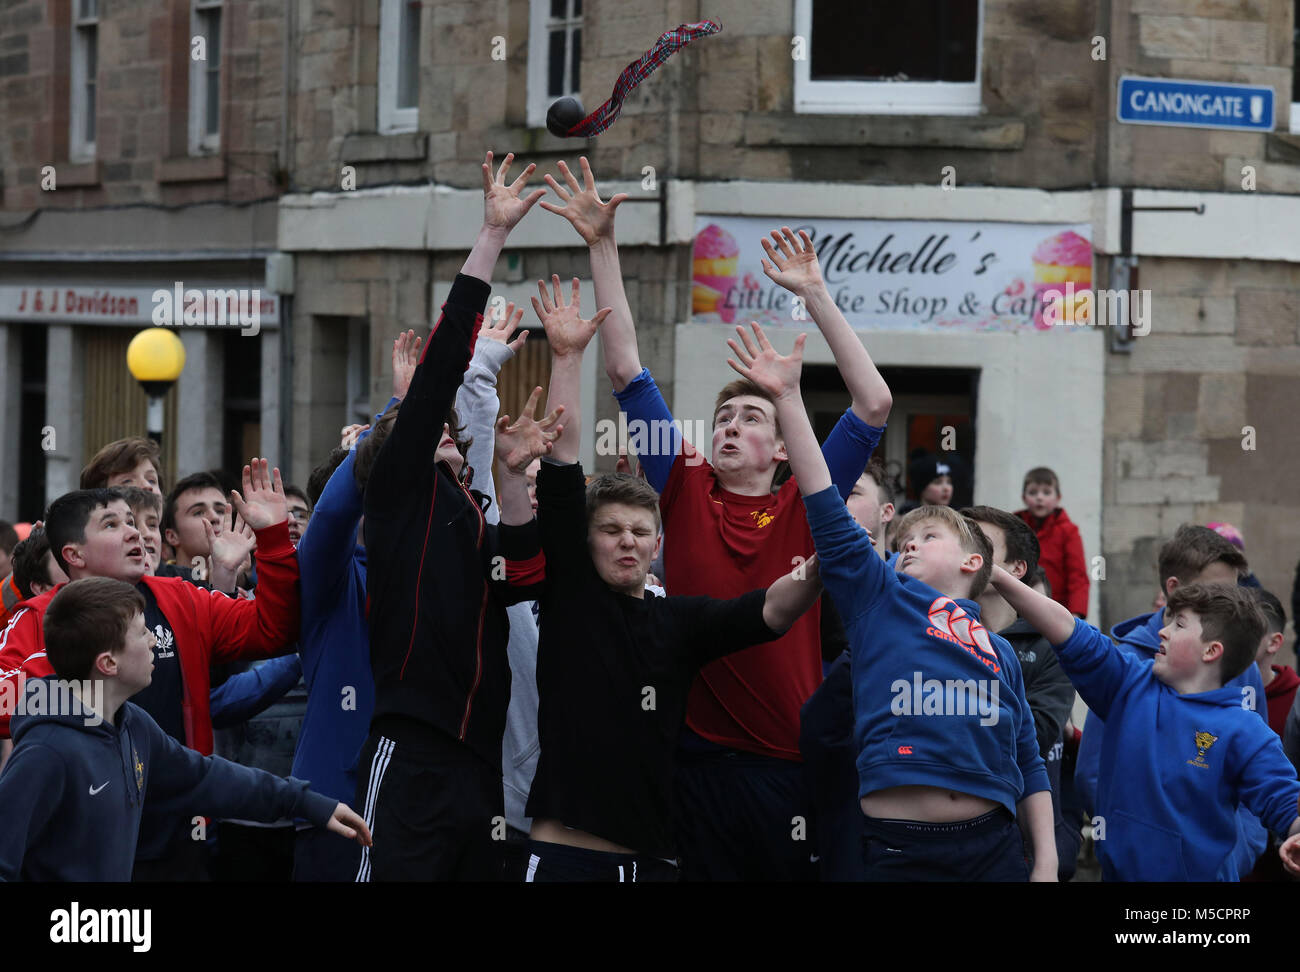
[1061,557]
[210,628]
[438,574]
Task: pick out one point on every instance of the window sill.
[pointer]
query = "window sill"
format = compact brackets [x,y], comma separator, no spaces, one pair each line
[541,140]
[395,147]
[197,168]
[766,129]
[72,174]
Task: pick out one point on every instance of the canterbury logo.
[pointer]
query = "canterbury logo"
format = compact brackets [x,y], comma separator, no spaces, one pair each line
[949,622]
[904,750]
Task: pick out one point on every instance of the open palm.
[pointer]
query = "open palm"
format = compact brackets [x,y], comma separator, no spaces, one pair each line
[582,207]
[520,442]
[566,330]
[776,374]
[502,205]
[794,261]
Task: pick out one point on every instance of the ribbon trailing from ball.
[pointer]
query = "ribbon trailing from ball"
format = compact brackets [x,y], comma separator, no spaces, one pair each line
[668,44]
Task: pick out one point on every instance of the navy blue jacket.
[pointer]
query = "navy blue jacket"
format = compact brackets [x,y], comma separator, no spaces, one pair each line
[72,794]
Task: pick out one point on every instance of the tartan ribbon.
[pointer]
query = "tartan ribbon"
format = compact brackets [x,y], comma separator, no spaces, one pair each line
[668,44]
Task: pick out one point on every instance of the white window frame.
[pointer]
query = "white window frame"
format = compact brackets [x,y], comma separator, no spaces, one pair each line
[882,97]
[81,149]
[393,119]
[203,142]
[540,26]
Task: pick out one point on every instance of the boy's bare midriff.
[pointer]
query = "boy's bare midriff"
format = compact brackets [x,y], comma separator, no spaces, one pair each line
[929,804]
[554,832]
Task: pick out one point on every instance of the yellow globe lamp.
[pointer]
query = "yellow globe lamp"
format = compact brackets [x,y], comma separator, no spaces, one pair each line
[155,357]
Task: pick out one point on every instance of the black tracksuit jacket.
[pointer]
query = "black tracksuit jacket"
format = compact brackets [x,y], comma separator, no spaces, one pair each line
[439,576]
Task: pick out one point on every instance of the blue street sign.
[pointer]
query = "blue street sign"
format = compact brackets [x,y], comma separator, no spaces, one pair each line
[1195,104]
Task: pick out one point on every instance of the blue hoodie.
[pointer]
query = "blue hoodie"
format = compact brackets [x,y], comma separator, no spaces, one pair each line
[1140,637]
[334,642]
[905,637]
[1177,767]
[72,794]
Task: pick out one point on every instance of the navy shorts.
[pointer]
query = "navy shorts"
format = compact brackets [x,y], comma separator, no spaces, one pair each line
[549,863]
[987,848]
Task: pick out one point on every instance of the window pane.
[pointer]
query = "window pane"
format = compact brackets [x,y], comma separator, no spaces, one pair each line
[1295,46]
[408,57]
[555,64]
[557,9]
[212,97]
[92,53]
[577,8]
[89,8]
[575,61]
[925,40]
[90,112]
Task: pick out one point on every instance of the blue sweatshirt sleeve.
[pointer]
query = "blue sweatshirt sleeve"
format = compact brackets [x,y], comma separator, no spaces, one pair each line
[327,548]
[1095,665]
[849,566]
[31,789]
[847,450]
[182,781]
[249,693]
[644,403]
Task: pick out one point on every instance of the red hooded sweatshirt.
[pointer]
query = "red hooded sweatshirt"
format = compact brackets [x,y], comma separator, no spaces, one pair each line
[1061,558]
[209,628]
[1281,694]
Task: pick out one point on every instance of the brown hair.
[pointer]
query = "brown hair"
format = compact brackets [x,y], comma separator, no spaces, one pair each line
[969,535]
[120,457]
[85,619]
[1041,476]
[743,386]
[1022,544]
[320,476]
[137,497]
[1194,548]
[877,473]
[621,488]
[1229,615]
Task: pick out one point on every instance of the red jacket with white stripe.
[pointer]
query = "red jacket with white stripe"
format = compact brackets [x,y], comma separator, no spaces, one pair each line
[1061,557]
[209,628]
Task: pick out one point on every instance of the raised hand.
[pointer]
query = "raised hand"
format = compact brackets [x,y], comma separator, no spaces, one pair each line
[1289,851]
[776,374]
[502,206]
[263,503]
[592,218]
[350,434]
[231,547]
[501,330]
[520,443]
[794,261]
[406,355]
[567,332]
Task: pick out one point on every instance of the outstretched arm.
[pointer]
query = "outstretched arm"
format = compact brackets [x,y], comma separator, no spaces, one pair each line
[779,376]
[791,595]
[1053,621]
[477,402]
[517,445]
[569,336]
[794,266]
[594,222]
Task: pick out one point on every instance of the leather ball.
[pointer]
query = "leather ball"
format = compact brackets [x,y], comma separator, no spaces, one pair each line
[563,115]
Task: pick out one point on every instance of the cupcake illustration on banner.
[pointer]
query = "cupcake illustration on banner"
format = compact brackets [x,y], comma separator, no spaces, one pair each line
[1059,260]
[714,272]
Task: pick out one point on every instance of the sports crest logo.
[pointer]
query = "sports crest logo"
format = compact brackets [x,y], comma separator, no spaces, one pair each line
[951,623]
[1204,740]
[139,770]
[165,641]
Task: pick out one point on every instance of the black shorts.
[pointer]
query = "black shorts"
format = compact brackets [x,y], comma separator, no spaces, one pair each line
[433,808]
[743,817]
[320,855]
[987,848]
[554,863]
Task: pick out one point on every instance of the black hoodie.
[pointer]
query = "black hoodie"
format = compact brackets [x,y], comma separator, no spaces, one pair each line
[72,793]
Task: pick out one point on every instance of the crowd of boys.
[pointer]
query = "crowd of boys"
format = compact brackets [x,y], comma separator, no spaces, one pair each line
[827,684]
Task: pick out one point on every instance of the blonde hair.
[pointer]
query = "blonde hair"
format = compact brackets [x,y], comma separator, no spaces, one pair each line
[969,536]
